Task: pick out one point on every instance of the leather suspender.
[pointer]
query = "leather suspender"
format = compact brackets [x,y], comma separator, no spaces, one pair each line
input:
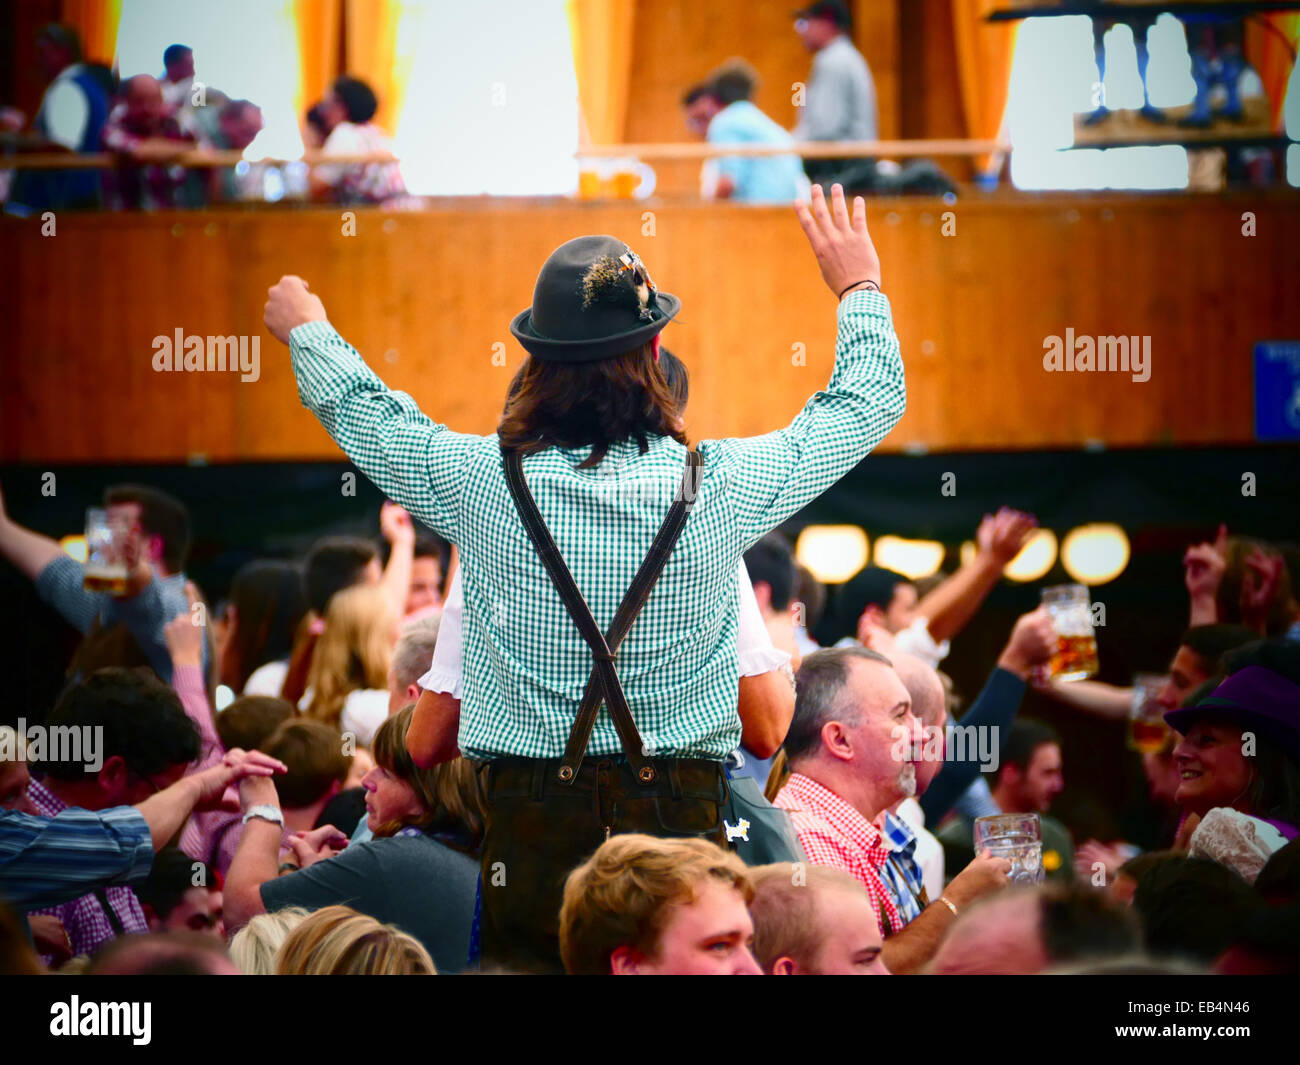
[603,684]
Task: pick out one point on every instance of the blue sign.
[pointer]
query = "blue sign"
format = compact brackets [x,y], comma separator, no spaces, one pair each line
[1277,390]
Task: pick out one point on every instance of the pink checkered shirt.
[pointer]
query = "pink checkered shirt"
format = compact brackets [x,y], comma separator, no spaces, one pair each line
[84,919]
[834,833]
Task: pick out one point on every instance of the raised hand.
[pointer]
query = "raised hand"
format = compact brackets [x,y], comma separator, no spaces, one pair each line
[842,245]
[395,523]
[183,635]
[1003,534]
[290,305]
[1203,567]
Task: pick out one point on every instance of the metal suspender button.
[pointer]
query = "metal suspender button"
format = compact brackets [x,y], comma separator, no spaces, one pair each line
[566,773]
[646,774]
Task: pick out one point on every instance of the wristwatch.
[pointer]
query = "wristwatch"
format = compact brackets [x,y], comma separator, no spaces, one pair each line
[266,812]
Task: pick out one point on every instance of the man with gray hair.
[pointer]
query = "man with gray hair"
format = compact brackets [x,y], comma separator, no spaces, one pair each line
[848,767]
[411,658]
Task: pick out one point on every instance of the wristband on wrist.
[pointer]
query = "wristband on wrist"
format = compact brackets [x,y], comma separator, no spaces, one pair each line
[948,902]
[867,281]
[265,812]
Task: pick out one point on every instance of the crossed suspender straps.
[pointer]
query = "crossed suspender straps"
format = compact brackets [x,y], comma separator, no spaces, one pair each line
[603,685]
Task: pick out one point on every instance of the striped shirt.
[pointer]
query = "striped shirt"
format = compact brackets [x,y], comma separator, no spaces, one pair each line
[834,833]
[47,860]
[525,663]
[84,919]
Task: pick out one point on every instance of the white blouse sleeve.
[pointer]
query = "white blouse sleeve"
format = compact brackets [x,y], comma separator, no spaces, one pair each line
[755,652]
[445,672]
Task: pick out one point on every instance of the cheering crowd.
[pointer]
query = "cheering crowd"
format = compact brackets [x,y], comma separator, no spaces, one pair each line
[603,722]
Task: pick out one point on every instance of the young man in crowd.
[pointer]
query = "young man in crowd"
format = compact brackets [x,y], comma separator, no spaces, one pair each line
[811,920]
[642,906]
[1028,779]
[125,629]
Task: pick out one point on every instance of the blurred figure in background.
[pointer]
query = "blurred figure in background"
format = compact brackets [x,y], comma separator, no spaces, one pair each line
[840,103]
[347,686]
[229,126]
[349,108]
[146,140]
[177,83]
[70,118]
[721,109]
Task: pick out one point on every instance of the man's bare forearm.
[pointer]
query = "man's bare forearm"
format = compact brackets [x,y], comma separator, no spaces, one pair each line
[30,551]
[908,951]
[949,607]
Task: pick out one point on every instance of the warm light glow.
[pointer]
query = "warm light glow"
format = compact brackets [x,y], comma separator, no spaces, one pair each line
[75,546]
[1035,558]
[914,559]
[832,553]
[1094,554]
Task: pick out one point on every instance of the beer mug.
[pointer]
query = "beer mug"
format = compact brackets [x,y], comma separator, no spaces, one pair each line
[591,181]
[106,542]
[1076,641]
[1147,730]
[1016,837]
[631,179]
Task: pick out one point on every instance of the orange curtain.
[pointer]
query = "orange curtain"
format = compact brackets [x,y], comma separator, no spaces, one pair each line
[96,21]
[601,31]
[317,25]
[1266,50]
[984,54]
[381,37]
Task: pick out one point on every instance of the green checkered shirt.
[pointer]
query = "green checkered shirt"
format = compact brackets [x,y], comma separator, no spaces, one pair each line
[525,664]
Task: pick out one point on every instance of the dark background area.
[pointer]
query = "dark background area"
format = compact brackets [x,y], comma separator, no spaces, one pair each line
[1165,500]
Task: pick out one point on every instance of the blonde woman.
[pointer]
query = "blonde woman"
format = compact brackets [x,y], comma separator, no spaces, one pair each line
[348,683]
[254,947]
[338,941]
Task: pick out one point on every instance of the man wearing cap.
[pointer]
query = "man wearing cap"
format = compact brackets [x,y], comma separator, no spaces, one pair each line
[840,104]
[588,412]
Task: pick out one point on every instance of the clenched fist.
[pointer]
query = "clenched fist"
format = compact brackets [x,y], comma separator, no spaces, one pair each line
[290,305]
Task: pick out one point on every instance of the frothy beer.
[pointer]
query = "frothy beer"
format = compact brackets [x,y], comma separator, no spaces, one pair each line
[1075,657]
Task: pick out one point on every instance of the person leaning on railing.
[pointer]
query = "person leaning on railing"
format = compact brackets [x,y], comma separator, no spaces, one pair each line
[592,401]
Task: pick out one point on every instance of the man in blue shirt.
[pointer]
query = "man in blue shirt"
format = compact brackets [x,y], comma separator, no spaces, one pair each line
[721,109]
[155,592]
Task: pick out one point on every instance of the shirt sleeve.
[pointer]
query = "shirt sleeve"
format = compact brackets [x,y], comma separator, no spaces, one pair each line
[445,672]
[60,585]
[996,706]
[45,861]
[188,682]
[916,640]
[768,478]
[755,652]
[65,113]
[412,459]
[147,614]
[825,110]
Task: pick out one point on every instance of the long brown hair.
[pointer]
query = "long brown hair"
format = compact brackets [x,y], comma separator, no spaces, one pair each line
[449,792]
[574,405]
